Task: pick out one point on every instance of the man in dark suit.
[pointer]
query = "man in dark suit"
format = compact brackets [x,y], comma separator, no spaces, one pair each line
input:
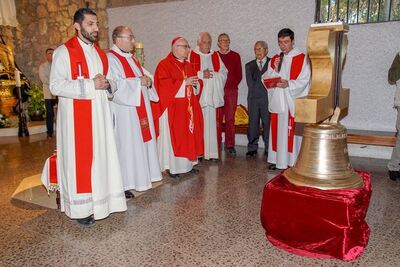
[257,99]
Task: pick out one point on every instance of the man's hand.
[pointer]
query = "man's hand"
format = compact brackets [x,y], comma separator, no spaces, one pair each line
[100,82]
[207,74]
[193,81]
[145,81]
[282,84]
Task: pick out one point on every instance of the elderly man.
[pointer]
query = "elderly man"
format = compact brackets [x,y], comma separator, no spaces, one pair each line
[131,111]
[49,100]
[233,63]
[292,67]
[88,169]
[257,99]
[177,115]
[212,75]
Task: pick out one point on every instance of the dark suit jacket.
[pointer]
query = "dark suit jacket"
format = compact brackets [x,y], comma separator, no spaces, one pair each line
[253,79]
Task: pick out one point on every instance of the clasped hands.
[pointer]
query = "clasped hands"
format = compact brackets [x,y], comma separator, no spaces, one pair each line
[207,74]
[101,83]
[145,81]
[193,80]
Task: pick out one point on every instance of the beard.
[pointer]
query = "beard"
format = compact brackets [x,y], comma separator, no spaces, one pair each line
[90,36]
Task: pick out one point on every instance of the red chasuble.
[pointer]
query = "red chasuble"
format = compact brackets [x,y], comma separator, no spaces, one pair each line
[195,60]
[185,119]
[295,69]
[141,110]
[83,126]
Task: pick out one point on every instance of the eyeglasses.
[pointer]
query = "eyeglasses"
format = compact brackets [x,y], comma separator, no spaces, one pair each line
[184,46]
[130,37]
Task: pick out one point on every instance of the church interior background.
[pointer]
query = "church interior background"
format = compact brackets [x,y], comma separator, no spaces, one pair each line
[208,219]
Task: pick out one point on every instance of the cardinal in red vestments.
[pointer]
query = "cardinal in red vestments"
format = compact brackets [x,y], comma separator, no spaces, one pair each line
[177,116]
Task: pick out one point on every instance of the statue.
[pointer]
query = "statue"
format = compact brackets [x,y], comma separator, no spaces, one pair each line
[6,58]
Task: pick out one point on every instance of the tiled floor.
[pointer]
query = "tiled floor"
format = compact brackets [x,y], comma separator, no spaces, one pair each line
[209,219]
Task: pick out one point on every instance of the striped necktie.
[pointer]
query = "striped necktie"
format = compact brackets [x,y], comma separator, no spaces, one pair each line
[260,66]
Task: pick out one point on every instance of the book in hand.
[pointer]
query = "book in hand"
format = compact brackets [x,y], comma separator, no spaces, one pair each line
[271,82]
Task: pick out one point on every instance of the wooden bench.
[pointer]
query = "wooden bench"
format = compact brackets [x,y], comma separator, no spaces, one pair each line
[361,137]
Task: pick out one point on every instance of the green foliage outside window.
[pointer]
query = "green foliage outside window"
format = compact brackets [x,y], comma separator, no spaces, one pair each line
[358,11]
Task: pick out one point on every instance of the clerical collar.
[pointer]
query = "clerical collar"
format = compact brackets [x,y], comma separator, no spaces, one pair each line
[121,52]
[89,44]
[197,50]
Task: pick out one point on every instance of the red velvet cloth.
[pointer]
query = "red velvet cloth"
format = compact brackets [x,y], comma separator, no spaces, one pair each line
[316,223]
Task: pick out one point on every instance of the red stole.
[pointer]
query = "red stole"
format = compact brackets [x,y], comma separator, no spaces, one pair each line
[141,110]
[83,126]
[295,69]
[195,60]
[185,118]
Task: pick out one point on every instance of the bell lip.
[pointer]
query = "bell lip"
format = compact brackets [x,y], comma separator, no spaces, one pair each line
[324,184]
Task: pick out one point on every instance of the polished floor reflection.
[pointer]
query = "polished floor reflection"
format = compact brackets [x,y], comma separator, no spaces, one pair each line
[209,219]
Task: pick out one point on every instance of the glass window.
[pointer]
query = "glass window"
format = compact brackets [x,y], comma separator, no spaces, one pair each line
[358,11]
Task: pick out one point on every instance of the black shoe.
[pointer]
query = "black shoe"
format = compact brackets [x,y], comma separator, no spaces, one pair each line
[129,194]
[272,167]
[394,175]
[49,135]
[194,171]
[200,159]
[231,150]
[214,160]
[251,153]
[87,222]
[173,175]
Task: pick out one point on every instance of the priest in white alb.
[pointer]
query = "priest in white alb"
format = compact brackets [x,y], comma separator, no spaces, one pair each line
[88,170]
[212,75]
[132,116]
[292,67]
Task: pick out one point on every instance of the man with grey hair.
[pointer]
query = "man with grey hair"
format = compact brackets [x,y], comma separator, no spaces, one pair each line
[212,75]
[132,117]
[233,63]
[257,99]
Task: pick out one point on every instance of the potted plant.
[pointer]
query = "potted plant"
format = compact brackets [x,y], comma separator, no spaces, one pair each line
[36,106]
[4,121]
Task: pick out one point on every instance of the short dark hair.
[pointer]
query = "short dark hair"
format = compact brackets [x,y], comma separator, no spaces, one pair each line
[79,15]
[49,49]
[285,33]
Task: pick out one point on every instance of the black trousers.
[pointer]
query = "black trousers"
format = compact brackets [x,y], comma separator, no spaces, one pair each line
[50,103]
[258,110]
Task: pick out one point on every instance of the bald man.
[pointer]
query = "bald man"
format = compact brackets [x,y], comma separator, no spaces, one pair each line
[132,117]
[177,116]
[212,75]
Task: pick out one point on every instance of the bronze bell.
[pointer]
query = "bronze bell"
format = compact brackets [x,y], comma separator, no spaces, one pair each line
[323,161]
